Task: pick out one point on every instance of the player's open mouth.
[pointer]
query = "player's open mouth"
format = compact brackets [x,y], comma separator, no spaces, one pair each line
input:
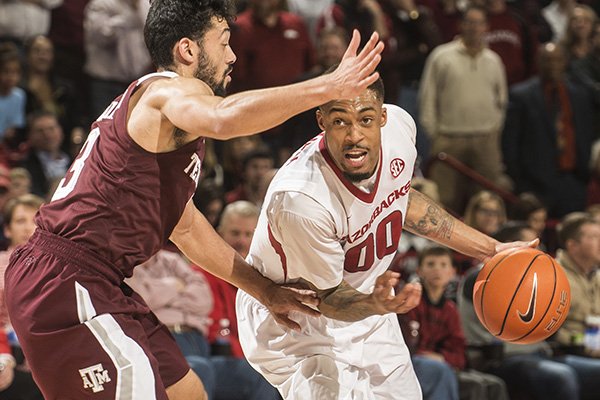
[355,158]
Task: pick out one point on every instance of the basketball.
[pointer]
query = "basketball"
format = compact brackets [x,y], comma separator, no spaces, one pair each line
[522,296]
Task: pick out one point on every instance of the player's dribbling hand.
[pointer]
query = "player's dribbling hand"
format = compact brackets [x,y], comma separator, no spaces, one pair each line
[284,299]
[356,72]
[500,247]
[386,302]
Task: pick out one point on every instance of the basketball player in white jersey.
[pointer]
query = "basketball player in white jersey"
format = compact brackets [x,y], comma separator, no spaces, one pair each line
[331,220]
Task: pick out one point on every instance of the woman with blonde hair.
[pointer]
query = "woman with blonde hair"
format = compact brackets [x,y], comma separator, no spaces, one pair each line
[485,212]
[579,32]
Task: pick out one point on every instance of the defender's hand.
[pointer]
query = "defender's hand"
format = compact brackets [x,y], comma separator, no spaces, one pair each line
[356,72]
[281,300]
[408,298]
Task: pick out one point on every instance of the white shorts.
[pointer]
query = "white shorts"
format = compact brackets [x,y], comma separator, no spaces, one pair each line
[329,359]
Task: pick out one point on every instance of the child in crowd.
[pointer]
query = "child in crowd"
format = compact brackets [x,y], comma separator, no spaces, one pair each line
[12,98]
[437,340]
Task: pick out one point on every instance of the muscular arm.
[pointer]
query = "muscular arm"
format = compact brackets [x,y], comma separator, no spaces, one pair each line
[194,110]
[196,238]
[315,257]
[428,219]
[345,303]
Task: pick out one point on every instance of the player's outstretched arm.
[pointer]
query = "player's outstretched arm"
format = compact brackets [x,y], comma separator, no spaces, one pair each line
[189,108]
[426,218]
[197,239]
[345,303]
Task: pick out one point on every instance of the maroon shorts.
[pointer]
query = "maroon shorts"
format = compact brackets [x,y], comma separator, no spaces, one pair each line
[85,334]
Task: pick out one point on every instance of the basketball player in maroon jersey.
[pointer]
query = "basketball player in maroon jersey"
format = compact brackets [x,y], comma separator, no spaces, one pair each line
[84,332]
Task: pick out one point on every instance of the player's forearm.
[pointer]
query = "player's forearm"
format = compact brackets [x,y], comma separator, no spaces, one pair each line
[256,111]
[428,219]
[216,256]
[345,303]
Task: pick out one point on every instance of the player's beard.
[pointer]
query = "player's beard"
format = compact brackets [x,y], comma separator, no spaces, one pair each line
[207,72]
[358,177]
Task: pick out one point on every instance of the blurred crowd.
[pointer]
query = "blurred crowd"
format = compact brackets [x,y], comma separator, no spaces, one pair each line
[506,98]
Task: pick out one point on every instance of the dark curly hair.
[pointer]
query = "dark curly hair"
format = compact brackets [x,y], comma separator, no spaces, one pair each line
[170,20]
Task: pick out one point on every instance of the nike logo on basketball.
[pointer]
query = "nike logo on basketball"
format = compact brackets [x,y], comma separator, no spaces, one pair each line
[528,316]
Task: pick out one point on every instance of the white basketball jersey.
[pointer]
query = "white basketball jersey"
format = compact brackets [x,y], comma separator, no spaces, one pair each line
[367,226]
[317,226]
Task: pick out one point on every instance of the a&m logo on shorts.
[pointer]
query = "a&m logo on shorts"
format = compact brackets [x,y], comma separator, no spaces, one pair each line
[396,167]
[94,377]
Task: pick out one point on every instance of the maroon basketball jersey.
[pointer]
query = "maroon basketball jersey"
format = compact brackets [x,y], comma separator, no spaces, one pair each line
[117,199]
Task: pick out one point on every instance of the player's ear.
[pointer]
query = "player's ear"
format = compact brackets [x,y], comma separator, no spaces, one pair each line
[184,51]
[320,119]
[383,116]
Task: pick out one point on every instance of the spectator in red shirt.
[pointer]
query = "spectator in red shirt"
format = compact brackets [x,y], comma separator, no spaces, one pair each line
[510,37]
[273,47]
[237,225]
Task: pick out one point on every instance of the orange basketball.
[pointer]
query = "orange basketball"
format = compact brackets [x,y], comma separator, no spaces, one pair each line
[522,296]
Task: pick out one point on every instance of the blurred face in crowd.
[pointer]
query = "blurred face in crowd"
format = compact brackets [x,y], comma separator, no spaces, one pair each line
[255,170]
[436,271]
[216,58]
[537,220]
[10,75]
[552,62]
[237,231]
[473,26]
[45,134]
[22,225]
[41,54]
[263,9]
[330,50]
[353,133]
[586,248]
[488,216]
[581,22]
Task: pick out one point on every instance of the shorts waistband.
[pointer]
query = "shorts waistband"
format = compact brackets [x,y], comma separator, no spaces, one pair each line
[72,251]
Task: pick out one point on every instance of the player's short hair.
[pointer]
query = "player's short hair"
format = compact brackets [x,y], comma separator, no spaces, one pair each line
[168,21]
[240,208]
[434,250]
[570,226]
[376,87]
[27,200]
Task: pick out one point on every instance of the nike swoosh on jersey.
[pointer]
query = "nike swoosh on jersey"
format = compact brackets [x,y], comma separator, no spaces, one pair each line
[528,316]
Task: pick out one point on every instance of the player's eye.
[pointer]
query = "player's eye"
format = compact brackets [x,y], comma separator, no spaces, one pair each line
[367,120]
[338,122]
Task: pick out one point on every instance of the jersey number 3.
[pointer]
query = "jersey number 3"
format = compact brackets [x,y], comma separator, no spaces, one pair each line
[362,256]
[67,184]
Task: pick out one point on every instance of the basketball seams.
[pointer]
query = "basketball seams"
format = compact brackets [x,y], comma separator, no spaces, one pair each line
[481,297]
[515,294]
[549,303]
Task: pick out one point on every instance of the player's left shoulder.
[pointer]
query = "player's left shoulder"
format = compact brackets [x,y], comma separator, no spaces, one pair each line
[400,121]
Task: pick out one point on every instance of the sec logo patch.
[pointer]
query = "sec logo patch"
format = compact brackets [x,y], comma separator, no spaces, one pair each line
[396,167]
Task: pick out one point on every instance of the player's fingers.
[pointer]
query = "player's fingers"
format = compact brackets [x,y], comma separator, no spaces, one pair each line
[308,299]
[371,60]
[412,297]
[369,46]
[305,309]
[385,277]
[369,80]
[353,45]
[283,319]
